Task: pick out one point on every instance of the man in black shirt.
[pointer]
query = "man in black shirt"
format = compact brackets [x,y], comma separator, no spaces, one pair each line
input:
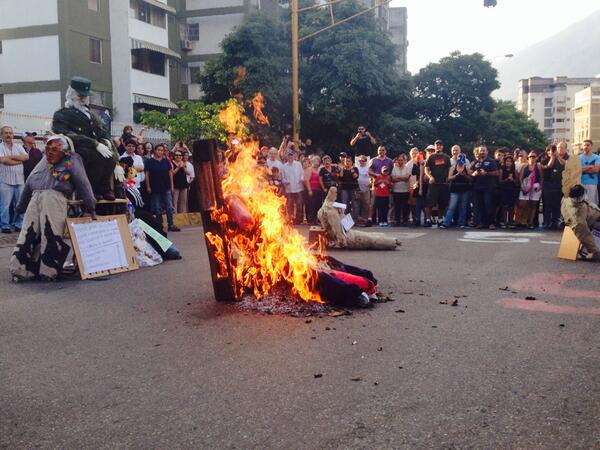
[363,142]
[485,172]
[437,167]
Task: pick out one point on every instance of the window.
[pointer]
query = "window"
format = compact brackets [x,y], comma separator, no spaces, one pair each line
[144,12]
[547,102]
[193,32]
[93,5]
[547,123]
[1,101]
[0,47]
[148,61]
[194,74]
[548,112]
[560,120]
[95,51]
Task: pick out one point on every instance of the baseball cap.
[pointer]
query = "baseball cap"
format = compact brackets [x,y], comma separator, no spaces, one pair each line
[30,133]
[343,154]
[438,141]
[430,147]
[291,151]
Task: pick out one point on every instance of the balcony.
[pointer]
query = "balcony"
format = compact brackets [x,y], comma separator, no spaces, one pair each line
[150,33]
[149,84]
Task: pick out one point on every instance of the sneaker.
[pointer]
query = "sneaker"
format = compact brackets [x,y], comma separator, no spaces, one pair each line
[174,228]
[385,224]
[462,226]
[6,230]
[531,227]
[381,224]
[492,227]
[427,224]
[441,225]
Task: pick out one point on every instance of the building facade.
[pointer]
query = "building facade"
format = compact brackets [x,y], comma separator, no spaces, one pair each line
[550,102]
[587,116]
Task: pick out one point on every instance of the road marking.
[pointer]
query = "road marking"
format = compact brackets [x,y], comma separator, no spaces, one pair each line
[495,237]
[536,305]
[550,242]
[554,284]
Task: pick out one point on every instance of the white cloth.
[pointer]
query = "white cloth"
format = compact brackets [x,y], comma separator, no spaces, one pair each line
[293,177]
[191,174]
[12,174]
[405,171]
[364,183]
[275,163]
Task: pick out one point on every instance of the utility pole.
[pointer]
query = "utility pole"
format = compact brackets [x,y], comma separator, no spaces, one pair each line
[295,87]
[296,39]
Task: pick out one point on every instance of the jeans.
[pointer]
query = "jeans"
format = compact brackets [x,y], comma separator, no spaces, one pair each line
[315,201]
[483,200]
[460,201]
[162,202]
[382,205]
[348,197]
[419,208]
[551,195]
[9,197]
[294,206]
[401,208]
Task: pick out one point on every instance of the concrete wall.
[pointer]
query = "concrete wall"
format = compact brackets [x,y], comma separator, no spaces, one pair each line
[149,33]
[36,103]
[212,31]
[121,61]
[43,50]
[149,84]
[26,13]
[208,4]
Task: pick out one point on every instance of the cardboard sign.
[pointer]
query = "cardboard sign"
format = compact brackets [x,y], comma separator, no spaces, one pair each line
[569,245]
[103,246]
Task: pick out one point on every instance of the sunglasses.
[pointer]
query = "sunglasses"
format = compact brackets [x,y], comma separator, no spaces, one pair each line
[177,154]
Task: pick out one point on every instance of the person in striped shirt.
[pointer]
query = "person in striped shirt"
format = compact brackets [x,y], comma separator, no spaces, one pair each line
[12,156]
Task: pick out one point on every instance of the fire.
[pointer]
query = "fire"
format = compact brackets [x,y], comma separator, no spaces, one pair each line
[219,251]
[258,103]
[265,252]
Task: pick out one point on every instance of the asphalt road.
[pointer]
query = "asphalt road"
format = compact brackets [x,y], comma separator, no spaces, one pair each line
[148,359]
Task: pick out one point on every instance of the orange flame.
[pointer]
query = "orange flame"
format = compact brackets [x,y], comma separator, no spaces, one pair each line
[219,252]
[272,252]
[258,103]
[241,74]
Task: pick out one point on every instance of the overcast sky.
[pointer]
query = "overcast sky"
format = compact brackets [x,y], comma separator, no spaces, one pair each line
[438,27]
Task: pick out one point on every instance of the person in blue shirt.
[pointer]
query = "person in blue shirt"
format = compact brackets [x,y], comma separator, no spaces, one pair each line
[590,166]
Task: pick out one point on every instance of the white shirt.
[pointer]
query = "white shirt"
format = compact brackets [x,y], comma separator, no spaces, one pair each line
[363,177]
[12,174]
[405,171]
[191,173]
[275,163]
[293,177]
[137,161]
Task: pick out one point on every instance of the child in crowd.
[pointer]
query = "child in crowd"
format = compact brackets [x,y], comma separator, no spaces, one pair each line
[275,180]
[382,196]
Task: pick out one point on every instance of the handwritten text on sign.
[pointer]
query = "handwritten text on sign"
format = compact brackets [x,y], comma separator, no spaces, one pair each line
[100,246]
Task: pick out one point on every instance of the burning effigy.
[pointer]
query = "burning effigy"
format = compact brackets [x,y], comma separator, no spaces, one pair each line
[253,250]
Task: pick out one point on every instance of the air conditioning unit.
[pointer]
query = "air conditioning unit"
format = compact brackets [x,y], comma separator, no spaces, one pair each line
[186,44]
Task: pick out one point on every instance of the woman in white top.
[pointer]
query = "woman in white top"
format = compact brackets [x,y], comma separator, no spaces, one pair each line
[400,178]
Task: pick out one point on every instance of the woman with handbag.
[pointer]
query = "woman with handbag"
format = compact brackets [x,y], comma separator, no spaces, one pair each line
[531,179]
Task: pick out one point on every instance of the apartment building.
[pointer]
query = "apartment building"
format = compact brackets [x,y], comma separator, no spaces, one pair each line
[204,24]
[587,116]
[550,102]
[122,46]
[43,43]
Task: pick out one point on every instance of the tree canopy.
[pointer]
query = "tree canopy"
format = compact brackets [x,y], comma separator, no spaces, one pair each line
[348,77]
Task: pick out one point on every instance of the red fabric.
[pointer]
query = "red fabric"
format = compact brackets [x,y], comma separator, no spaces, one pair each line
[366,285]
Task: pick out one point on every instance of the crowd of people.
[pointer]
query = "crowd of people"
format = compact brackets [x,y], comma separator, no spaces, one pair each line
[506,188]
[162,174]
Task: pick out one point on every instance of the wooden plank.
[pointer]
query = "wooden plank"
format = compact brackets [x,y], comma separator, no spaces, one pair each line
[125,237]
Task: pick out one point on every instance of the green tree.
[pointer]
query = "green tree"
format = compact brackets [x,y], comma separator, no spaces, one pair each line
[454,96]
[511,128]
[257,55]
[194,120]
[347,73]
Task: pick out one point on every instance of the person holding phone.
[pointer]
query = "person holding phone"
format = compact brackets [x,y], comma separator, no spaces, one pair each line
[362,143]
